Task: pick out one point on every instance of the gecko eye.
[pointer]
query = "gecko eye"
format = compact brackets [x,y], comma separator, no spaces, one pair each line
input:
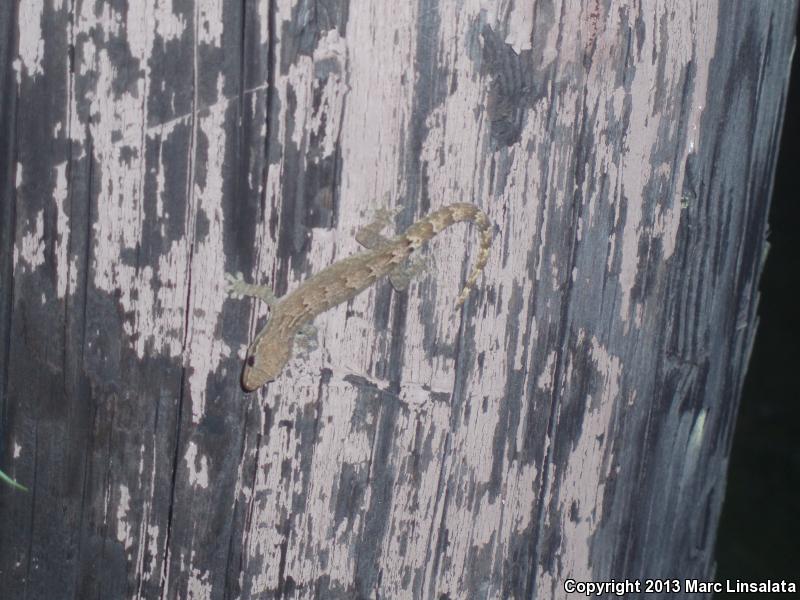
[251,361]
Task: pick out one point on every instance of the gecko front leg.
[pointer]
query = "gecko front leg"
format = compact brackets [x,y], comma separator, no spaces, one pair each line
[369,235]
[401,277]
[237,286]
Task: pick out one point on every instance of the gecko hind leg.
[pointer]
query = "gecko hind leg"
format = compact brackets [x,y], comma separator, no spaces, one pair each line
[238,287]
[306,338]
[369,235]
[400,278]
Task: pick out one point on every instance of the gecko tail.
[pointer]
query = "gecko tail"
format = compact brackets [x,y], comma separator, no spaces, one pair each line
[484,225]
[427,227]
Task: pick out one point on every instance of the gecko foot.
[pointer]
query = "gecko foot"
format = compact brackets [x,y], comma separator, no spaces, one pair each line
[306,338]
[385,215]
[400,278]
[369,235]
[238,287]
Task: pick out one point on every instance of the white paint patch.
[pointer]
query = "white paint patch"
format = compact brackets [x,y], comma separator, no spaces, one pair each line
[17,451]
[300,80]
[520,26]
[197,469]
[29,253]
[610,369]
[16,65]
[31,38]
[123,525]
[169,26]
[164,324]
[198,587]
[545,380]
[62,231]
[153,551]
[137,28]
[668,220]
[210,22]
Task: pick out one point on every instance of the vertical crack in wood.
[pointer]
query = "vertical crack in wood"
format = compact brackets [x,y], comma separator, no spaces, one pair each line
[272,112]
[8,119]
[165,568]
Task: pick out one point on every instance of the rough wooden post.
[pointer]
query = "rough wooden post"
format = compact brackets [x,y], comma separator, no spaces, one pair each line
[572,421]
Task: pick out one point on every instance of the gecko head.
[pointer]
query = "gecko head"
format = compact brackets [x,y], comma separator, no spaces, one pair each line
[264,363]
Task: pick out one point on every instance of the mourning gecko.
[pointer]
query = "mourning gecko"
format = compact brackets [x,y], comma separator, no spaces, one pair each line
[293,313]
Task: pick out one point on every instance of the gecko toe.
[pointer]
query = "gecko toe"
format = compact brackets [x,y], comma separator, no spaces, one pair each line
[234,284]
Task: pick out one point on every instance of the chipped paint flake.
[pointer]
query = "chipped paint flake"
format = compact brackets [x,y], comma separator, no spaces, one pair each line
[545,380]
[153,550]
[169,26]
[199,585]
[63,264]
[29,253]
[666,227]
[31,38]
[124,533]
[197,468]
[520,26]
[210,22]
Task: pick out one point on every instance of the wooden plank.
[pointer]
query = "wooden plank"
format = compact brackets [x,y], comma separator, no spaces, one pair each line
[573,421]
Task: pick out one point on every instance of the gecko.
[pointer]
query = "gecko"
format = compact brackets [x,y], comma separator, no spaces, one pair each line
[292,314]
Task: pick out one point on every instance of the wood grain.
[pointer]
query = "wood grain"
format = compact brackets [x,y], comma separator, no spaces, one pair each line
[574,421]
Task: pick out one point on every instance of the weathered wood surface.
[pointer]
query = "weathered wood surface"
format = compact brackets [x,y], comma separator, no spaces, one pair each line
[573,421]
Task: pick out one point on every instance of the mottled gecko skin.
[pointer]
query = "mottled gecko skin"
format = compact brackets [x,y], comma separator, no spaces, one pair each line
[272,347]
